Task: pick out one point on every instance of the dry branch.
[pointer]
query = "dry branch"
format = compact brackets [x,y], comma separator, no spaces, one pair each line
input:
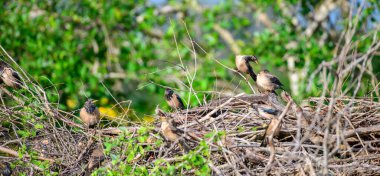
[16,154]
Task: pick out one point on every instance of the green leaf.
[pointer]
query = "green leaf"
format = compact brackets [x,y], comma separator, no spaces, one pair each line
[38,126]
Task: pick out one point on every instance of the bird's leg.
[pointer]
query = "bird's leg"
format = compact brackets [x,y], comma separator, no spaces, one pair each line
[272,153]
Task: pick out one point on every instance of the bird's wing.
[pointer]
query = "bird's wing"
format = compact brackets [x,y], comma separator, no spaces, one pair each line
[172,125]
[275,80]
[176,130]
[167,97]
[15,74]
[271,111]
[182,106]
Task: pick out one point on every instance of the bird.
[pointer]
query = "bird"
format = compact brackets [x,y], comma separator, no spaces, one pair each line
[268,82]
[271,113]
[96,158]
[267,111]
[9,77]
[90,114]
[243,66]
[169,131]
[5,169]
[173,99]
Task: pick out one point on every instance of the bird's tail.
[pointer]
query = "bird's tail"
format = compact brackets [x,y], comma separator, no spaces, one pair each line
[183,145]
[265,139]
[264,142]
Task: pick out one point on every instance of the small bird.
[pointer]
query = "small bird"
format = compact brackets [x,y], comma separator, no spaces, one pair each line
[268,82]
[96,158]
[272,114]
[90,114]
[173,99]
[267,111]
[9,76]
[170,132]
[243,66]
[5,169]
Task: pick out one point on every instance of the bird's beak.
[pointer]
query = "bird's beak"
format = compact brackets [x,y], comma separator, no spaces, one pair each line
[94,101]
[255,59]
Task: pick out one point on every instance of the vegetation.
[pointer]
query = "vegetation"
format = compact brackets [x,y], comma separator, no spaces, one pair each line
[71,47]
[124,54]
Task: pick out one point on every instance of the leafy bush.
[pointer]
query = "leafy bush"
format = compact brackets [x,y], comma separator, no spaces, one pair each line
[72,47]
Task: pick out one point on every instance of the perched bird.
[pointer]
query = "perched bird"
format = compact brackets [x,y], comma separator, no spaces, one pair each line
[173,99]
[96,158]
[90,114]
[243,66]
[9,76]
[5,169]
[267,111]
[272,114]
[170,132]
[268,82]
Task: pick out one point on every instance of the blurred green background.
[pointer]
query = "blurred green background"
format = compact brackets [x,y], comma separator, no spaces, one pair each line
[127,50]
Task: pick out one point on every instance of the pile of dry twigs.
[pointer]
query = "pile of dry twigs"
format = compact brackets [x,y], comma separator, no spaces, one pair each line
[320,137]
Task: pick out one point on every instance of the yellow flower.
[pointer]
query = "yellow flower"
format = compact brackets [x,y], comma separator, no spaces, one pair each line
[108,113]
[71,103]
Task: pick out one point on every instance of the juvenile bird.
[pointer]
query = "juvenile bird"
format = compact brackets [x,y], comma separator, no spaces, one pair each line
[5,169]
[272,114]
[170,132]
[90,114]
[96,158]
[268,82]
[173,99]
[243,66]
[9,76]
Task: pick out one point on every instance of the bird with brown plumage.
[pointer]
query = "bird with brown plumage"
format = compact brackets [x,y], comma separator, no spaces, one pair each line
[96,158]
[90,114]
[268,82]
[271,113]
[243,66]
[173,100]
[9,77]
[169,131]
[265,81]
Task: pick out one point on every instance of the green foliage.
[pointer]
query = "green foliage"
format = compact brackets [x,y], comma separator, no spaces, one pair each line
[128,152]
[72,47]
[196,159]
